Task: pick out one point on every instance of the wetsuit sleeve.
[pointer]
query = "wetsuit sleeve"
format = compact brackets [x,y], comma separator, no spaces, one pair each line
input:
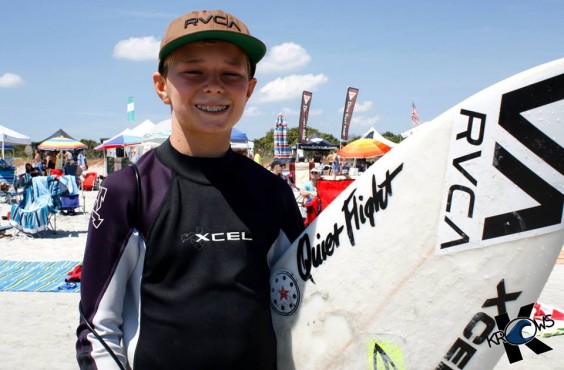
[111,255]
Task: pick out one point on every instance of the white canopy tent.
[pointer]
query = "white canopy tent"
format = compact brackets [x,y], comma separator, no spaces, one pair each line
[374,134]
[8,136]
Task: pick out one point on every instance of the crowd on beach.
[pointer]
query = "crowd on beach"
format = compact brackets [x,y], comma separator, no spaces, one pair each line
[69,161]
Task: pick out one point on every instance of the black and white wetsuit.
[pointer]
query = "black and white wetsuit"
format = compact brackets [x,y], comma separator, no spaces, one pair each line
[183,283]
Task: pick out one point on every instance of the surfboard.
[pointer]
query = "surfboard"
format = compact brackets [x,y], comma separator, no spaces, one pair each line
[434,257]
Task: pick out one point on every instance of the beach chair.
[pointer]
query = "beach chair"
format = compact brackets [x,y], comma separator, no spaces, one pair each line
[37,211]
[90,181]
[8,182]
[70,197]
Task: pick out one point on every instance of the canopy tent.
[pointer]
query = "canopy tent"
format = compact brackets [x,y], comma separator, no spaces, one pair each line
[373,134]
[142,128]
[158,133]
[238,136]
[59,133]
[8,136]
[61,143]
[120,141]
[314,142]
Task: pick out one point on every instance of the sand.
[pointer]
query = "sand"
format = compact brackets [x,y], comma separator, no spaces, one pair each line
[37,330]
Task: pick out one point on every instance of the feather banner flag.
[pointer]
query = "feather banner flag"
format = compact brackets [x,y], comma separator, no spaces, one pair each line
[350,101]
[281,148]
[304,113]
[414,115]
[130,109]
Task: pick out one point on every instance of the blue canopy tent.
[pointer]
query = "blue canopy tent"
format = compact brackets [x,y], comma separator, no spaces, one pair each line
[238,136]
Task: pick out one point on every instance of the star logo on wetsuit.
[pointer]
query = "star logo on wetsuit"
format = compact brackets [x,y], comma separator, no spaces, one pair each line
[284,293]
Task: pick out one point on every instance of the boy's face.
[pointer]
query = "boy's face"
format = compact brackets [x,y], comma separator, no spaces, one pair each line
[207,85]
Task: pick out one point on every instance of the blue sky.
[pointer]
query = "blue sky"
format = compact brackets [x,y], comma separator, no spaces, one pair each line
[73,64]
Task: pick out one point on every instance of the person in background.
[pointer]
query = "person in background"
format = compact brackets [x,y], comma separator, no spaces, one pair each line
[59,159]
[50,163]
[68,156]
[32,170]
[309,189]
[258,157]
[176,270]
[336,166]
[309,194]
[37,159]
[277,167]
[72,168]
[81,160]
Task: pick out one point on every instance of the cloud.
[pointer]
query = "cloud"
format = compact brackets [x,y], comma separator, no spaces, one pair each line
[252,111]
[290,87]
[287,57]
[364,122]
[137,49]
[9,80]
[363,106]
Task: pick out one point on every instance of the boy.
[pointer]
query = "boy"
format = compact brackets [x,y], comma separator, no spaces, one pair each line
[176,275]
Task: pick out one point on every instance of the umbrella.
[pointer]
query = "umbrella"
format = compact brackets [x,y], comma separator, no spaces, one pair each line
[61,143]
[363,148]
[120,141]
[281,148]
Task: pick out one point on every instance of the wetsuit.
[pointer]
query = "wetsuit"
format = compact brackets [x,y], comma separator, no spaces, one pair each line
[182,280]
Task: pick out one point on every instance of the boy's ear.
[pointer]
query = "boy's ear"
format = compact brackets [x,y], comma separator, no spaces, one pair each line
[251,87]
[159,81]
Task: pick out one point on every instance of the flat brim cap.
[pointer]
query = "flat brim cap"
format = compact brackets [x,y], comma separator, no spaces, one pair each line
[211,25]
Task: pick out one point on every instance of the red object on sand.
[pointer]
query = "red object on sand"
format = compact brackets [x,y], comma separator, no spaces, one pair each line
[89,179]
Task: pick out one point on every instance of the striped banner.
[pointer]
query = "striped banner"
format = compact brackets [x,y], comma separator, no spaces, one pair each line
[22,276]
[281,148]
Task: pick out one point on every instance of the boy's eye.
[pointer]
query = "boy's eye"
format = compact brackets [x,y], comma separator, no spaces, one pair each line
[192,72]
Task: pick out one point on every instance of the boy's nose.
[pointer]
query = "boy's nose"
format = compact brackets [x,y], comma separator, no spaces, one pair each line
[213,84]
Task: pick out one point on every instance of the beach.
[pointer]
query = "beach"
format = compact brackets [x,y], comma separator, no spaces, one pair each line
[37,329]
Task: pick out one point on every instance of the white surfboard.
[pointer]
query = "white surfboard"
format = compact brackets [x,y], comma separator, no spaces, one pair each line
[433,258]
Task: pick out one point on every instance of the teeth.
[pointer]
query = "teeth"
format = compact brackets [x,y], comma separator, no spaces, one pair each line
[212,108]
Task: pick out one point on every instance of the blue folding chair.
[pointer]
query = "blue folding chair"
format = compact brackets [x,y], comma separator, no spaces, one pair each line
[37,211]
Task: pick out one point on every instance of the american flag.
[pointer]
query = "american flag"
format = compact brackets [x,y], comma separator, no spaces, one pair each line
[414,115]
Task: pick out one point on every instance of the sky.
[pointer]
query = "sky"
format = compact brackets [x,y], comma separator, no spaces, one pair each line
[72,65]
